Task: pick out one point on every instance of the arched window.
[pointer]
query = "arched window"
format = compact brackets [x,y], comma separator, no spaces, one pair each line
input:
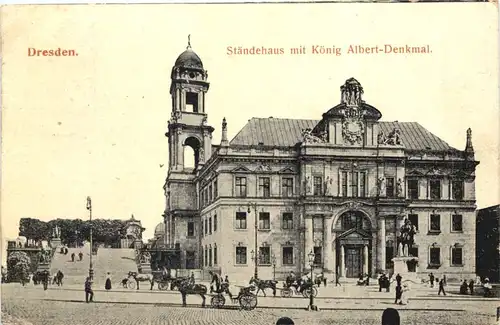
[354,219]
[191,152]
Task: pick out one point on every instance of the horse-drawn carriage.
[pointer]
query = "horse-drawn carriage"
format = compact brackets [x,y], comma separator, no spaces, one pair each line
[298,286]
[246,298]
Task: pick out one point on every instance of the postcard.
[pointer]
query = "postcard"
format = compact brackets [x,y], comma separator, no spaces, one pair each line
[250,164]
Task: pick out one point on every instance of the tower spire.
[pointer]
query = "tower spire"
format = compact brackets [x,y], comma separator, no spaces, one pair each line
[469,149]
[223,141]
[189,42]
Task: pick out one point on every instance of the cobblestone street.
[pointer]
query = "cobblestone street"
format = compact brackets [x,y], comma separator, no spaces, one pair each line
[32,305]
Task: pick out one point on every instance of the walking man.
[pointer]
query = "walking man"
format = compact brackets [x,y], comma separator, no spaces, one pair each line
[431,279]
[471,287]
[72,257]
[89,294]
[217,279]
[80,255]
[441,287]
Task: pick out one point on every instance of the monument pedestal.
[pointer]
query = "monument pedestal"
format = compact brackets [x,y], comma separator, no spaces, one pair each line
[401,267]
[145,268]
[43,267]
[55,242]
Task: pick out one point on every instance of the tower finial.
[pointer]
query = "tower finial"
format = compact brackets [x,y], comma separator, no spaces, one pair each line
[189,41]
[468,143]
[224,141]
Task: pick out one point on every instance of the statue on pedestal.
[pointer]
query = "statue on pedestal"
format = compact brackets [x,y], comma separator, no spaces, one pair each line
[56,233]
[406,237]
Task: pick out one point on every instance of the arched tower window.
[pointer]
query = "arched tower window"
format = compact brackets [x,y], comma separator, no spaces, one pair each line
[191,152]
[353,219]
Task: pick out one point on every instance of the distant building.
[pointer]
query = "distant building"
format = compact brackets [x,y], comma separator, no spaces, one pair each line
[488,243]
[338,187]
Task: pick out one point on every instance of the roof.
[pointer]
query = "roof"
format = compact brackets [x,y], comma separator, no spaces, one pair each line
[282,132]
[189,59]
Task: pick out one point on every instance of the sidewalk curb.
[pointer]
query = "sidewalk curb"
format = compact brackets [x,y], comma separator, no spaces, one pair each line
[418,298]
[198,306]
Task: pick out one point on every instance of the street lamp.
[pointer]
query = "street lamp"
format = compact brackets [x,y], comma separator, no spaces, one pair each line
[91,267]
[256,250]
[311,291]
[255,258]
[273,260]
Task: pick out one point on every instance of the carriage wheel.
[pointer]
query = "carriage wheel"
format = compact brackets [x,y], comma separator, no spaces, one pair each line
[217,301]
[163,286]
[131,284]
[307,292]
[248,301]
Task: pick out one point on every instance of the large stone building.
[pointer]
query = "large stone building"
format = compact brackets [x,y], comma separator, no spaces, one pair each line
[338,187]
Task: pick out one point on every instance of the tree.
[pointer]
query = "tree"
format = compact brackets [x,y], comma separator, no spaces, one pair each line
[34,229]
[18,265]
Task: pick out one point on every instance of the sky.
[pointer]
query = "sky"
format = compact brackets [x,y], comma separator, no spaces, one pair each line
[94,124]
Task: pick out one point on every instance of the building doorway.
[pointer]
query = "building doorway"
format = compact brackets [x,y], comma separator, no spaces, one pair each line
[353,262]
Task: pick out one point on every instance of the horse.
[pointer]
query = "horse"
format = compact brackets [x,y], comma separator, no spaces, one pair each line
[142,278]
[262,285]
[187,288]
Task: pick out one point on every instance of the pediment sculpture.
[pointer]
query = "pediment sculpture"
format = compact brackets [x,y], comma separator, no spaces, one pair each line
[353,126]
[393,138]
[308,137]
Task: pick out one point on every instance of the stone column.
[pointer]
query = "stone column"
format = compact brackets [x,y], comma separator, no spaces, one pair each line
[327,246]
[333,248]
[365,259]
[342,261]
[381,243]
[308,247]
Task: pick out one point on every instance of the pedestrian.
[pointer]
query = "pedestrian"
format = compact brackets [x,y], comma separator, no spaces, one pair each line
[226,279]
[80,255]
[337,278]
[381,282]
[441,287]
[45,280]
[285,321]
[463,288]
[487,287]
[89,294]
[444,279]
[398,279]
[191,279]
[471,287]
[215,279]
[399,294]
[107,286]
[431,279]
[390,316]
[72,257]
[324,279]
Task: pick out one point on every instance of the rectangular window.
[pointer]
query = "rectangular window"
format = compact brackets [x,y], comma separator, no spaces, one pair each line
[241,255]
[206,256]
[215,223]
[210,225]
[210,193]
[206,196]
[413,189]
[202,198]
[435,225]
[413,219]
[265,255]
[264,220]
[389,187]
[241,220]
[190,230]
[435,258]
[362,184]
[287,255]
[287,220]
[457,223]
[202,233]
[435,188]
[354,184]
[318,250]
[215,255]
[344,183]
[318,185]
[241,186]
[206,227]
[287,187]
[457,188]
[216,190]
[264,187]
[210,256]
[456,256]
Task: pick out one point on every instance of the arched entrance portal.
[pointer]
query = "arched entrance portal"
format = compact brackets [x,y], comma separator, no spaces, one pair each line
[354,244]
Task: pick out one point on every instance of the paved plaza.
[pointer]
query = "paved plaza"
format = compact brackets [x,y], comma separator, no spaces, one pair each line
[32,305]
